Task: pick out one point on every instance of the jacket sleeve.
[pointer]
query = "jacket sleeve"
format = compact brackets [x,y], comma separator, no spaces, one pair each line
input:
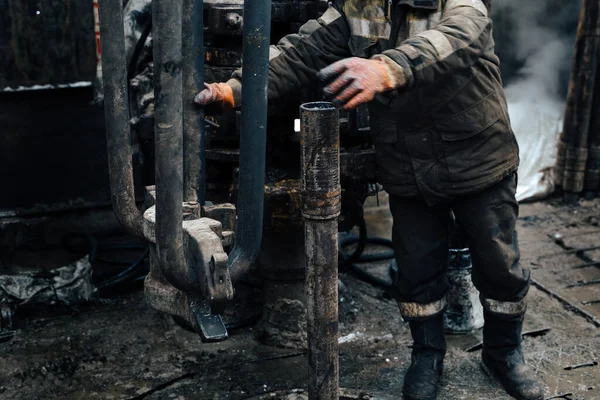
[461,38]
[296,59]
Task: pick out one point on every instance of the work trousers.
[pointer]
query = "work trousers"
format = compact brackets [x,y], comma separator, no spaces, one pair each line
[487,218]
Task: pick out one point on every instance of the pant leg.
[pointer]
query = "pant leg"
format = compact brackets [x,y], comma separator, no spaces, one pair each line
[489,218]
[420,238]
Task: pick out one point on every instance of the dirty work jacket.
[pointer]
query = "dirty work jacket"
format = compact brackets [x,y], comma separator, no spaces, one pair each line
[447,132]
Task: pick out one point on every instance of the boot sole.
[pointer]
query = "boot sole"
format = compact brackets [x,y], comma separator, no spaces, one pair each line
[494,377]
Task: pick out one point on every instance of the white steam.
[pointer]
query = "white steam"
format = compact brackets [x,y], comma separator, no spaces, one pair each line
[535,104]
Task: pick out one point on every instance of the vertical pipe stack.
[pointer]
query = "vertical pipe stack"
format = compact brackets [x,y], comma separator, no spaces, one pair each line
[168,131]
[116,114]
[580,99]
[253,142]
[194,143]
[592,173]
[321,207]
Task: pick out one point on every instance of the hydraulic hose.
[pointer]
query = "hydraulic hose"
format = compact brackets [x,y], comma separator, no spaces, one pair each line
[349,260]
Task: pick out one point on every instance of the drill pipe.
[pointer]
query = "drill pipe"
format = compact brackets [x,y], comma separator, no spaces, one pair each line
[194,141]
[321,207]
[580,99]
[116,115]
[168,127]
[253,141]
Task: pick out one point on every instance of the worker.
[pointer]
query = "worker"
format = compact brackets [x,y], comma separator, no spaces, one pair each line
[443,141]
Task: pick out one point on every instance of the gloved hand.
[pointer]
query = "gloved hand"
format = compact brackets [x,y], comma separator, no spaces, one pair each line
[354,81]
[218,96]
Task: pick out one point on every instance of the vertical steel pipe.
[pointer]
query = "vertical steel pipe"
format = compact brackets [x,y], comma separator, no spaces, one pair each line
[168,131]
[580,99]
[194,144]
[321,207]
[116,114]
[253,141]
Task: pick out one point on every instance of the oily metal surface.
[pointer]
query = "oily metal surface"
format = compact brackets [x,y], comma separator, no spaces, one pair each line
[320,148]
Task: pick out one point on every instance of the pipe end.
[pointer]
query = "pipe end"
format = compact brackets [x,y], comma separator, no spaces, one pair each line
[318,106]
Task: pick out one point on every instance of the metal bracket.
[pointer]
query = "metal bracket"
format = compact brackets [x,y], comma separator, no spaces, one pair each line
[197,312]
[203,242]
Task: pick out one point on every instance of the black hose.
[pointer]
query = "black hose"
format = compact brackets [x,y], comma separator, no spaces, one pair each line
[92,245]
[349,260]
[242,323]
[115,262]
[361,240]
[137,51]
[360,257]
[370,278]
[129,273]
[85,243]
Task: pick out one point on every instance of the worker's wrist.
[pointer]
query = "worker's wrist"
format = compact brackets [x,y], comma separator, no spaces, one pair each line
[236,92]
[400,77]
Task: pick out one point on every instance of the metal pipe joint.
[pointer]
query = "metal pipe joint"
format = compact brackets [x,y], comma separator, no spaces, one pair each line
[320,159]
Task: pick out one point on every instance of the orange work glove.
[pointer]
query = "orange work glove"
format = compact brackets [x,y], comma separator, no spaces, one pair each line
[354,81]
[218,96]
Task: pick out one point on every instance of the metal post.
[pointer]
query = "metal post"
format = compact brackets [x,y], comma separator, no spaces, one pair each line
[253,142]
[194,143]
[116,114]
[580,99]
[167,17]
[592,173]
[321,207]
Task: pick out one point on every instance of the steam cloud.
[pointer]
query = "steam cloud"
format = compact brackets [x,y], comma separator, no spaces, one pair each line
[535,42]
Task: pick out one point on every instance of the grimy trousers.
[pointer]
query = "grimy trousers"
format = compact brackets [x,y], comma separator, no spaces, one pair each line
[420,237]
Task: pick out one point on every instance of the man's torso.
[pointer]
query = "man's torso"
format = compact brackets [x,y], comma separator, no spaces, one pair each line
[440,140]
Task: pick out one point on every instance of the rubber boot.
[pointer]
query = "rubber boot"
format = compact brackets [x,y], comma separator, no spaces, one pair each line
[422,380]
[502,356]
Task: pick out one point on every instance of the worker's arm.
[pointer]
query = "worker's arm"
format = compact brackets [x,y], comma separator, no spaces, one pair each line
[294,61]
[459,40]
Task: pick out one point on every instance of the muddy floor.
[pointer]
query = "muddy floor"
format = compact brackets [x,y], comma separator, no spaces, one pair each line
[121,349]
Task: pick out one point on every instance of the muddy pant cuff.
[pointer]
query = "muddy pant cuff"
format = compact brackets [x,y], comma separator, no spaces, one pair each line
[420,311]
[505,308]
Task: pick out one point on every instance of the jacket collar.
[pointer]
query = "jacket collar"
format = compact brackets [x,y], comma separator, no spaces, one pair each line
[422,4]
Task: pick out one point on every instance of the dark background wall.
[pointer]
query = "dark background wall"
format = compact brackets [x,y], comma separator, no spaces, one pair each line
[46,42]
[52,142]
[52,150]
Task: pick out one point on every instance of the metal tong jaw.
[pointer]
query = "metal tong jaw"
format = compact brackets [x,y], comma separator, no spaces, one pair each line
[204,242]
